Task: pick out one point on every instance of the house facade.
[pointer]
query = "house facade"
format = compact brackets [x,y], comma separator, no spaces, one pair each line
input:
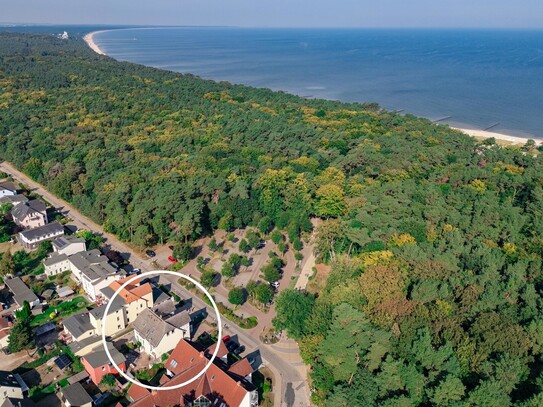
[22,293]
[29,215]
[5,327]
[159,336]
[30,239]
[98,365]
[68,245]
[7,189]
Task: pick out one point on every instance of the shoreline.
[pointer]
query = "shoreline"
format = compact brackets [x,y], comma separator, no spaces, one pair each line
[498,136]
[89,39]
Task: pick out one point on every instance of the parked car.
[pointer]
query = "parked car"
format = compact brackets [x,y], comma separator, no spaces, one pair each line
[134,271]
[239,350]
[275,284]
[172,259]
[150,253]
[226,338]
[232,346]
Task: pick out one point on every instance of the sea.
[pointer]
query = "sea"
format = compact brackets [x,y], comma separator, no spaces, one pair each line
[476,79]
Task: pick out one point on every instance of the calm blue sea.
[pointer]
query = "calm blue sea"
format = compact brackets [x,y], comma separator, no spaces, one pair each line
[479,78]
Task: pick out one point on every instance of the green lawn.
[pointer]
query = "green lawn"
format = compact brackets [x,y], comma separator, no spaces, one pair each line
[64,309]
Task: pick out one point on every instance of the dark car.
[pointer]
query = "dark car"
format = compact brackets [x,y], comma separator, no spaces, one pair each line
[232,346]
[239,350]
[150,253]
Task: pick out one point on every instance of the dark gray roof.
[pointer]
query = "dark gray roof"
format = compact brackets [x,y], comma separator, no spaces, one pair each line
[99,271]
[10,186]
[7,379]
[76,395]
[46,231]
[21,211]
[78,324]
[159,295]
[45,328]
[164,308]
[151,327]
[21,292]
[98,356]
[98,312]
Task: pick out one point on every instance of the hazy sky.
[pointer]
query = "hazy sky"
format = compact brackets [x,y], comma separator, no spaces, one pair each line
[280,13]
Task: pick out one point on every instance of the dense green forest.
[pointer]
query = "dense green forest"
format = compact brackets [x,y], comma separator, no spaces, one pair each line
[435,240]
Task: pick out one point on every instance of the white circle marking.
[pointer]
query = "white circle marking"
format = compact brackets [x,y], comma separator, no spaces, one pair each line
[149,273]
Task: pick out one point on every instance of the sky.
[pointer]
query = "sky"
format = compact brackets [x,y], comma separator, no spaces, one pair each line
[280,13]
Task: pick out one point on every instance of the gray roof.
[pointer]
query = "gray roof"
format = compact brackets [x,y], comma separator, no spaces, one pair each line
[76,395]
[21,292]
[99,271]
[13,199]
[7,403]
[64,291]
[33,206]
[159,295]
[117,304]
[84,259]
[179,320]
[164,308]
[151,327]
[78,324]
[98,356]
[8,185]
[78,377]
[78,345]
[54,258]
[46,231]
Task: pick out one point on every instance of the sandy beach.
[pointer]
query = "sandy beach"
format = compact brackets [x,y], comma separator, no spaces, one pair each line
[90,42]
[498,136]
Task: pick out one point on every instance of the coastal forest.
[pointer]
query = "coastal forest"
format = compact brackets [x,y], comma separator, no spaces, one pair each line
[434,239]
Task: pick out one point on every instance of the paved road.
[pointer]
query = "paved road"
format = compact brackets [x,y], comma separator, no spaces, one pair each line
[291,390]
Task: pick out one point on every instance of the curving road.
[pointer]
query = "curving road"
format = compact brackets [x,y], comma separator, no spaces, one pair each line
[283,361]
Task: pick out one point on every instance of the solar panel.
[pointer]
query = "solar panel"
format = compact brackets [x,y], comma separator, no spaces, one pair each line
[63,361]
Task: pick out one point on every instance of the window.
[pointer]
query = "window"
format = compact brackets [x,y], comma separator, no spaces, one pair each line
[173,363]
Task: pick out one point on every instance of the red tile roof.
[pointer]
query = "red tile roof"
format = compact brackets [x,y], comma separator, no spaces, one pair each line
[241,368]
[222,349]
[215,384]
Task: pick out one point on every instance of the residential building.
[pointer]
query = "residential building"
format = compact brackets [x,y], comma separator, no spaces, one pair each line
[98,365]
[13,199]
[83,330]
[12,386]
[21,292]
[90,268]
[216,387]
[75,395]
[126,307]
[30,239]
[78,327]
[159,336]
[31,214]
[7,188]
[69,245]
[5,327]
